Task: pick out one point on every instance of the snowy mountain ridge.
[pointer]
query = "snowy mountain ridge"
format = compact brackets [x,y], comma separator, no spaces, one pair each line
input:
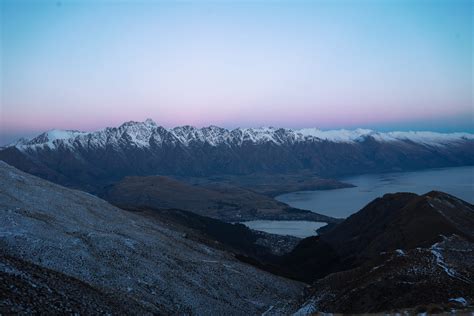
[87,159]
[148,133]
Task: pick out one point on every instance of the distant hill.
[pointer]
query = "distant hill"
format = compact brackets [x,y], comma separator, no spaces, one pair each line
[217,200]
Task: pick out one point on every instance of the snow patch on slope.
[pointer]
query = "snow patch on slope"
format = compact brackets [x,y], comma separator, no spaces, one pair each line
[436,250]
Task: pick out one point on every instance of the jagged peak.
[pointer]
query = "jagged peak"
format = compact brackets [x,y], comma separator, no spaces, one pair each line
[150,121]
[147,123]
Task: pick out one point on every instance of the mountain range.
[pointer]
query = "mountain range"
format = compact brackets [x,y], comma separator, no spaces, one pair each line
[92,159]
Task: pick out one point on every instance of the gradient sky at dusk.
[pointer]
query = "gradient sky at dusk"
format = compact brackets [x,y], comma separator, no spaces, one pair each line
[388,64]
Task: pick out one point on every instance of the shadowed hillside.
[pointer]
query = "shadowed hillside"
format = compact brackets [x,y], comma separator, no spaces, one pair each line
[400,251]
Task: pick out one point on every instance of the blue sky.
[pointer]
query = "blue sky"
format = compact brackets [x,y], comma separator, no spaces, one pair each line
[329,64]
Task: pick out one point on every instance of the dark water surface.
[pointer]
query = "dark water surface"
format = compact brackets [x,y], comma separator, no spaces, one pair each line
[458,181]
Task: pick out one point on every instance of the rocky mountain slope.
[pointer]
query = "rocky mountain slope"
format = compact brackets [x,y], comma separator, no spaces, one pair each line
[27,288]
[400,251]
[143,148]
[140,260]
[394,221]
[431,279]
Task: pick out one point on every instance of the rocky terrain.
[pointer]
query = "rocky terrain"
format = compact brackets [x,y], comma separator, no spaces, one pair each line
[401,252]
[394,221]
[92,160]
[142,261]
[433,279]
[217,200]
[27,288]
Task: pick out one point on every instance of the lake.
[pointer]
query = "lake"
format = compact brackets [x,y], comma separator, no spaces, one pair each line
[341,203]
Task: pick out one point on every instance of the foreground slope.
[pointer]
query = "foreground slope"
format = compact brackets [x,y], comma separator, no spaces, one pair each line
[26,288]
[119,252]
[434,279]
[88,160]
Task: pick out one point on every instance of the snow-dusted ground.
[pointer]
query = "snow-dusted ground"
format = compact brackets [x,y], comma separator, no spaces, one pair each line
[401,280]
[143,134]
[87,238]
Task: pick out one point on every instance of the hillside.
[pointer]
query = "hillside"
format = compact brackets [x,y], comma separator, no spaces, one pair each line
[26,287]
[401,251]
[431,279]
[395,221]
[136,258]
